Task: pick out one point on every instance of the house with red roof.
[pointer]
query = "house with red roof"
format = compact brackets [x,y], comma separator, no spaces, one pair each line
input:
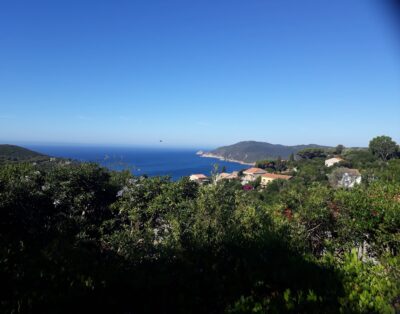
[267,178]
[251,174]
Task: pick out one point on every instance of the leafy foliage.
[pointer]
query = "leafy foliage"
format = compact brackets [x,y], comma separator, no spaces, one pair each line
[79,238]
[277,165]
[310,153]
[383,147]
[339,149]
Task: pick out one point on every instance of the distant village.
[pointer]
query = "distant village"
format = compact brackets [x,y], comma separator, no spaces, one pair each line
[345,177]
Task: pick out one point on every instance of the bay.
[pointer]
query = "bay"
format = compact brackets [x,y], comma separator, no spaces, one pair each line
[140,161]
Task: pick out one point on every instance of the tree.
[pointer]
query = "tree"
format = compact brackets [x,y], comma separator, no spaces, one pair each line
[291,157]
[214,172]
[339,149]
[280,164]
[272,165]
[383,147]
[310,153]
[361,159]
[266,164]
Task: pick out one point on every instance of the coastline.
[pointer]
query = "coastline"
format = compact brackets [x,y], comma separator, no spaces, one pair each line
[209,155]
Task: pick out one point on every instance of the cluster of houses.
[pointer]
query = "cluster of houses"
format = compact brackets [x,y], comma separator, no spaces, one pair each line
[348,177]
[247,176]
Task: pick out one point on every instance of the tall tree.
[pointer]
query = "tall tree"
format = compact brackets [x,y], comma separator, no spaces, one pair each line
[339,149]
[383,147]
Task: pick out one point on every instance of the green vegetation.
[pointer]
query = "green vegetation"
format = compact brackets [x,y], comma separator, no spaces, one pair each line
[80,238]
[339,149]
[383,147]
[277,165]
[310,153]
[251,151]
[12,153]
[360,158]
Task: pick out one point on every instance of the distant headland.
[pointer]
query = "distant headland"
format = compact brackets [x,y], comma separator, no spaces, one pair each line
[248,152]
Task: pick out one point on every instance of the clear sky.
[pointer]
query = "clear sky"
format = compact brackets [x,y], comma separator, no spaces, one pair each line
[198,73]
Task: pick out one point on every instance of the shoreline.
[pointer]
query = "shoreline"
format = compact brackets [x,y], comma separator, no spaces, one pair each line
[209,155]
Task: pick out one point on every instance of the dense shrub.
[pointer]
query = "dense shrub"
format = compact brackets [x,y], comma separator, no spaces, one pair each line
[79,238]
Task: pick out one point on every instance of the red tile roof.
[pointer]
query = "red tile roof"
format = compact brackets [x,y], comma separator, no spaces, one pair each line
[254,171]
[224,175]
[276,176]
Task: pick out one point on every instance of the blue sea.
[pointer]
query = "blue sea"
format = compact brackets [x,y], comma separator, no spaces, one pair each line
[152,162]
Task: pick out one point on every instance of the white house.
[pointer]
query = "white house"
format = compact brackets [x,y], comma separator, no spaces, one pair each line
[269,177]
[331,161]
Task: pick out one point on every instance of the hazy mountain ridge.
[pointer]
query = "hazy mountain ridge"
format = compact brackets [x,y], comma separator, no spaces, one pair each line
[251,151]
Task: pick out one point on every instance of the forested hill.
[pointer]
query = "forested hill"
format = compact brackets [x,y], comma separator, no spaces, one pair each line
[15,153]
[251,151]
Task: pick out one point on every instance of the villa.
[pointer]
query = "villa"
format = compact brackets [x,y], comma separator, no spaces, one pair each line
[252,174]
[266,178]
[227,176]
[199,178]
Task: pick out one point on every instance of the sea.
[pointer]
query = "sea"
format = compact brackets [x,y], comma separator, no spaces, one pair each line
[175,163]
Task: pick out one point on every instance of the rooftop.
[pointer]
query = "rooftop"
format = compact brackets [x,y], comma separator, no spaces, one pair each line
[199,176]
[276,176]
[254,170]
[335,158]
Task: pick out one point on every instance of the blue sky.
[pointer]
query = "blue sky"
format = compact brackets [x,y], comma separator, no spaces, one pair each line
[198,73]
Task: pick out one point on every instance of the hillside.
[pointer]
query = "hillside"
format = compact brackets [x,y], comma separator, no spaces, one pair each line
[251,151]
[153,245]
[13,153]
